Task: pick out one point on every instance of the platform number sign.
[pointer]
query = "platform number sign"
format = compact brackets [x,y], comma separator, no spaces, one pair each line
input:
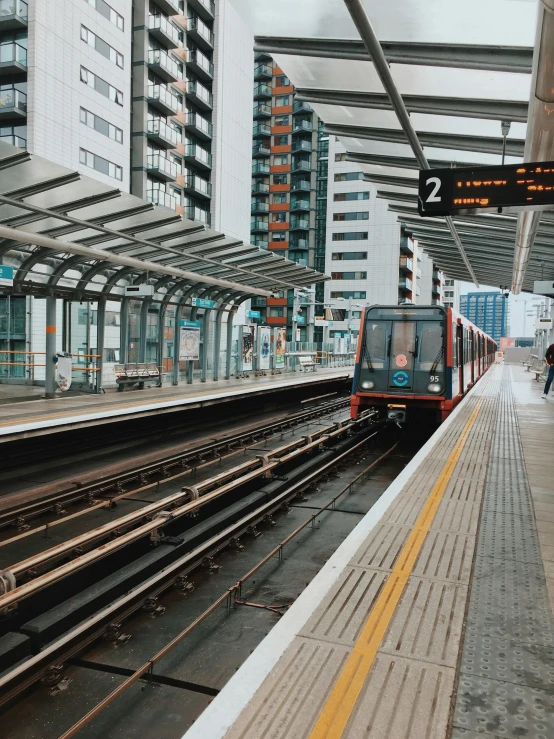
[434,192]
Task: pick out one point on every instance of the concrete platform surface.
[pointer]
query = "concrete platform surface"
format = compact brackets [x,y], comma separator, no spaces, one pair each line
[434,617]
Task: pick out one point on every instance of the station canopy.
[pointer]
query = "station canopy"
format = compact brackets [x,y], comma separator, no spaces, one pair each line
[461,69]
[73,236]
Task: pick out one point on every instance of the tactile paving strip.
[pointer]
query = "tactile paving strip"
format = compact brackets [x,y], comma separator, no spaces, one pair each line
[506,670]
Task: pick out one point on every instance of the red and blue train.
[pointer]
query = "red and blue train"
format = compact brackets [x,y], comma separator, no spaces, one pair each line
[417,358]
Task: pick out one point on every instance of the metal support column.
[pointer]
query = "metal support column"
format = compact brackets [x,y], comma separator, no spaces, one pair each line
[217,343]
[50,369]
[176,344]
[100,333]
[206,330]
[124,331]
[190,364]
[229,346]
[161,340]
[143,329]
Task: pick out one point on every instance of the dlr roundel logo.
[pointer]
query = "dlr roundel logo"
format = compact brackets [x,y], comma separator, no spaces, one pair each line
[400,379]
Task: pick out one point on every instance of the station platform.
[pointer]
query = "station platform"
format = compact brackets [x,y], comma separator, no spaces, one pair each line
[38,417]
[434,618]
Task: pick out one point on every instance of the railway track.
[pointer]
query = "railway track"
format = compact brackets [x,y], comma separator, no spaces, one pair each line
[285,473]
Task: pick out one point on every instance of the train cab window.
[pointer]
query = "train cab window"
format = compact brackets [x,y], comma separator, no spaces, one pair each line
[376,344]
[431,347]
[403,345]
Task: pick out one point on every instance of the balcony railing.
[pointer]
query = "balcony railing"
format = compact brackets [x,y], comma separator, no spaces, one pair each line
[199,31]
[301,126]
[301,164]
[162,165]
[12,102]
[200,155]
[404,283]
[161,197]
[257,224]
[259,207]
[199,185]
[262,110]
[162,98]
[263,71]
[261,90]
[262,150]
[160,130]
[407,264]
[301,185]
[205,8]
[163,29]
[406,245]
[193,213]
[436,275]
[262,243]
[300,205]
[298,243]
[12,54]
[260,168]
[200,64]
[13,14]
[201,126]
[260,188]
[261,129]
[299,107]
[301,145]
[299,223]
[163,64]
[199,93]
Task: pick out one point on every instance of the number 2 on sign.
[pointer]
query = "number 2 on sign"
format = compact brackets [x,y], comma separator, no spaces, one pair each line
[437,186]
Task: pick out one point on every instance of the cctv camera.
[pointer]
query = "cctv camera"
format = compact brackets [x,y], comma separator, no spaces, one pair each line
[506,295]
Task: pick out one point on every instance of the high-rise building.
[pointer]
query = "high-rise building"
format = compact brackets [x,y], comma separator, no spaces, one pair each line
[488,311]
[451,294]
[289,155]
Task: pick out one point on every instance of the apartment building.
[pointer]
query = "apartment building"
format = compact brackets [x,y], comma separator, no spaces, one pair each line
[451,294]
[488,311]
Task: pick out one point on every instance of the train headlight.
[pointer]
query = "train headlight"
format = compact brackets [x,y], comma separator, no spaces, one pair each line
[434,387]
[368,385]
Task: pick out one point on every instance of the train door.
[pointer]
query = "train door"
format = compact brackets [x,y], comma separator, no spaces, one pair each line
[460,355]
[472,355]
[401,352]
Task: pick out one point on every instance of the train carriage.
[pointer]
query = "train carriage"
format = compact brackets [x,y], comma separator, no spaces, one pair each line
[417,358]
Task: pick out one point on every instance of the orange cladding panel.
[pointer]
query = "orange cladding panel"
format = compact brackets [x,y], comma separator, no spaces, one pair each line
[284,90]
[285,149]
[281,110]
[277,168]
[279,188]
[279,226]
[281,129]
[279,206]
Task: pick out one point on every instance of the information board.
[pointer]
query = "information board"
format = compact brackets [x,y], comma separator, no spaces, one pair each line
[264,347]
[189,341]
[248,347]
[280,338]
[512,187]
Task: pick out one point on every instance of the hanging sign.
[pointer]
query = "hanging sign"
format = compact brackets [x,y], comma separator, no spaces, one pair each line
[264,345]
[202,303]
[6,275]
[189,341]
[248,333]
[280,335]
[253,314]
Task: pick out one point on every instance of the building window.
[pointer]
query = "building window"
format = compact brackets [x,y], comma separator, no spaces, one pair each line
[340,196]
[348,255]
[101,46]
[100,164]
[279,198]
[362,215]
[102,126]
[351,236]
[276,312]
[280,159]
[282,120]
[281,140]
[282,81]
[281,100]
[347,176]
[279,217]
[279,236]
[108,12]
[349,275]
[360,295]
[280,179]
[101,86]
[340,157]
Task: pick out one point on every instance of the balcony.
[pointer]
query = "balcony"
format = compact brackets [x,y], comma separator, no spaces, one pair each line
[418,273]
[261,243]
[406,264]
[13,59]
[301,126]
[260,169]
[302,165]
[161,167]
[262,56]
[436,290]
[259,188]
[263,72]
[162,134]
[204,8]
[197,186]
[301,185]
[198,125]
[404,301]
[406,246]
[199,95]
[262,110]
[169,7]
[163,65]
[256,224]
[163,31]
[163,99]
[298,205]
[436,275]
[195,154]
[302,261]
[261,90]
[261,150]
[302,145]
[161,197]
[299,224]
[299,107]
[404,283]
[199,63]
[418,290]
[194,213]
[13,14]
[199,32]
[13,103]
[261,130]
[14,140]
[256,207]
[298,243]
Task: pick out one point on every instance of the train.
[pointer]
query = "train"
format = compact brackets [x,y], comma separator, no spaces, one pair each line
[417,362]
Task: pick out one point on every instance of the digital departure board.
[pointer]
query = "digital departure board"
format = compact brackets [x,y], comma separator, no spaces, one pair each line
[512,187]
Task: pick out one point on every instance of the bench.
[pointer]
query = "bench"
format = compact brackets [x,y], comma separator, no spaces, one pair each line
[136,374]
[307,361]
[528,361]
[538,367]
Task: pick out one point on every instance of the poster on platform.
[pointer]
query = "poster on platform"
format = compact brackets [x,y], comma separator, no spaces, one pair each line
[264,346]
[248,333]
[280,347]
[189,343]
[63,371]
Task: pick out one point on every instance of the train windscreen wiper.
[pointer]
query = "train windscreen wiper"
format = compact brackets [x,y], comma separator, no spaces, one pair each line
[368,360]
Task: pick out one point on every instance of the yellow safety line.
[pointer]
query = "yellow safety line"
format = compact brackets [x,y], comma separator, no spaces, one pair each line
[342,700]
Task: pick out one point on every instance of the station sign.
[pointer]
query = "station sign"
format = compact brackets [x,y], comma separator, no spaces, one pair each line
[189,324]
[139,291]
[6,275]
[202,303]
[299,319]
[543,324]
[512,188]
[253,313]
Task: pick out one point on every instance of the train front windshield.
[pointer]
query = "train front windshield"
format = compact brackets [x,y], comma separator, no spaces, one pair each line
[403,353]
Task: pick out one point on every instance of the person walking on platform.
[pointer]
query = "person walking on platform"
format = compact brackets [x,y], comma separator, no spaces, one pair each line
[549,358]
